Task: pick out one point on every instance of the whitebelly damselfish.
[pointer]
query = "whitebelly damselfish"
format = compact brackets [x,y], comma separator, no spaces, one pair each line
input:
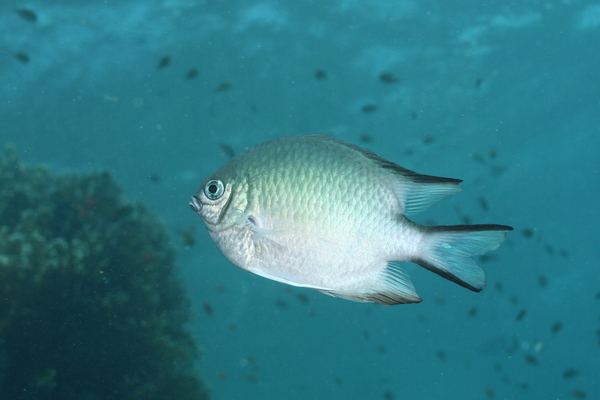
[315,212]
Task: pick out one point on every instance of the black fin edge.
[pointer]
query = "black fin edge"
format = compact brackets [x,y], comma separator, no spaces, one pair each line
[445,274]
[392,299]
[458,228]
[468,228]
[395,168]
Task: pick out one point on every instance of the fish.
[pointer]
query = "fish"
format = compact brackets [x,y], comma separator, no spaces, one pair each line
[388,78]
[556,327]
[192,73]
[223,86]
[164,62]
[521,315]
[22,57]
[369,108]
[316,212]
[27,14]
[320,74]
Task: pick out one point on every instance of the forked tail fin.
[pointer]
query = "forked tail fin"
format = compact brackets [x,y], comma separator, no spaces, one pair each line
[449,250]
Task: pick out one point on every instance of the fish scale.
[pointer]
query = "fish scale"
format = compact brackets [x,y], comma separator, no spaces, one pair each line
[313,211]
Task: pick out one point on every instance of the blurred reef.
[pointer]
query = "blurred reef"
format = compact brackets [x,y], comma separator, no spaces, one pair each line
[90,305]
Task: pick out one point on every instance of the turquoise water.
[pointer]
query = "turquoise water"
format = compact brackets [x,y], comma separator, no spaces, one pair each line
[502,95]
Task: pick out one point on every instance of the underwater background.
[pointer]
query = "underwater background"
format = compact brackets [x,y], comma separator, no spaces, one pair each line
[502,94]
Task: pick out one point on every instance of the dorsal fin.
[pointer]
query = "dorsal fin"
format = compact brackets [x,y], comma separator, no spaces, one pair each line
[415,191]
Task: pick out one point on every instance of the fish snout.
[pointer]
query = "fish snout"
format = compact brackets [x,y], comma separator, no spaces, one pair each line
[195,204]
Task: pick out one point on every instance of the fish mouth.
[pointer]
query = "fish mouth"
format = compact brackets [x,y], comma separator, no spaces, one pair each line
[195,204]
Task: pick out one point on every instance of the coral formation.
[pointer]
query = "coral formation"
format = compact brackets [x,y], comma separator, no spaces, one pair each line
[90,306]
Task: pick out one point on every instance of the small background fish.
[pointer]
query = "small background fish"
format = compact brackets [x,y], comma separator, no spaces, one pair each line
[313,211]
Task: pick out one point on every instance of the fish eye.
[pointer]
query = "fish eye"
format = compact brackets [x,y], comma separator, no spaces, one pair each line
[214,189]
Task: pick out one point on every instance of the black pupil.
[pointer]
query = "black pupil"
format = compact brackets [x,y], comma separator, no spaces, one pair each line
[212,189]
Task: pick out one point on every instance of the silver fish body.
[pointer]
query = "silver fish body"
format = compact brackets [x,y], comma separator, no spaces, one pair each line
[313,211]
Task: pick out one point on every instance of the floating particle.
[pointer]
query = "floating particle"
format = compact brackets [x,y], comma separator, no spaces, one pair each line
[472,312]
[428,139]
[489,393]
[251,378]
[414,115]
[381,349]
[164,62]
[498,367]
[154,178]
[114,99]
[497,170]
[45,379]
[483,203]
[499,286]
[302,298]
[466,220]
[252,362]
[492,153]
[192,73]
[478,82]
[27,14]
[538,347]
[478,158]
[223,86]
[440,300]
[338,381]
[320,74]
[227,150]
[388,78]
[542,281]
[187,237]
[282,304]
[220,288]
[564,253]
[527,232]
[549,249]
[597,295]
[531,359]
[556,327]
[487,257]
[570,373]
[521,315]
[22,57]
[514,300]
[366,335]
[514,347]
[578,394]
[441,354]
[232,326]
[123,212]
[369,108]
[221,375]
[208,308]
[366,138]
[388,395]
[523,386]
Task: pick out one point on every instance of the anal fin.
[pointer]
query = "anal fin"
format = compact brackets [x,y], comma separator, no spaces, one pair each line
[389,287]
